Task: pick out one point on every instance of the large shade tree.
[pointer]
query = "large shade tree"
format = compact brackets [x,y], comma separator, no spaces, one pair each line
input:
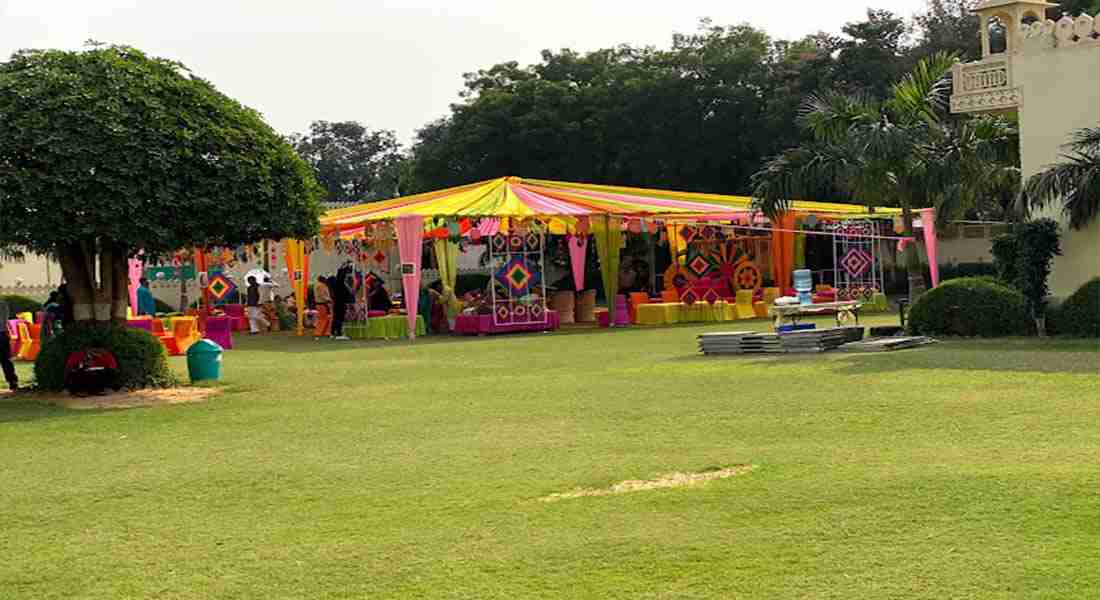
[902,151]
[353,162]
[108,152]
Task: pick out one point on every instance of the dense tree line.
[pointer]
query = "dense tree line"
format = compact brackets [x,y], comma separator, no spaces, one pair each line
[704,114]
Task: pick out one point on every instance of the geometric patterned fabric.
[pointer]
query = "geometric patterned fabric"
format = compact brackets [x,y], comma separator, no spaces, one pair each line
[220,286]
[856,262]
[516,276]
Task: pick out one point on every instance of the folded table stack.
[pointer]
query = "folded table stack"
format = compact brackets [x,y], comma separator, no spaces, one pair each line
[740,342]
[888,343]
[819,340]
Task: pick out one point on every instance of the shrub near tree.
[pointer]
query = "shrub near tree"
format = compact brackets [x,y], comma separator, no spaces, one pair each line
[1023,260]
[108,152]
[1079,315]
[970,307]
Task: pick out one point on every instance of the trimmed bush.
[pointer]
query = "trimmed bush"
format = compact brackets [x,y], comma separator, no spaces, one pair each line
[1079,315]
[19,304]
[142,361]
[970,307]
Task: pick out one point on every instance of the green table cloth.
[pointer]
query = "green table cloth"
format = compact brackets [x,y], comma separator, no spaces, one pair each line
[389,327]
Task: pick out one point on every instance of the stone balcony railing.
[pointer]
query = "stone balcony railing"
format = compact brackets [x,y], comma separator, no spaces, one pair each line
[984,86]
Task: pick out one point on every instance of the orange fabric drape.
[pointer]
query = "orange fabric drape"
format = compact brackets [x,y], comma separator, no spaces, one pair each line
[783,251]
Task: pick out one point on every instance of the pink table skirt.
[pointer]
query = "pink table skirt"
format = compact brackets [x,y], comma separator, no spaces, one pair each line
[483,324]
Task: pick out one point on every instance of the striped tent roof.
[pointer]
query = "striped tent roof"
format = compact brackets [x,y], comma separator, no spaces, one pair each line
[518,198]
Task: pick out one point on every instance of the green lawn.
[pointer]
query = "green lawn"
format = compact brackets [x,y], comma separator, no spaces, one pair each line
[379,470]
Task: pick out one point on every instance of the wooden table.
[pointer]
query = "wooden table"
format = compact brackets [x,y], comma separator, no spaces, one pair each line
[793,313]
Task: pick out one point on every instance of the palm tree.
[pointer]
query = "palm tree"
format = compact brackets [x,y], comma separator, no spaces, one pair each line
[1074,181]
[903,151]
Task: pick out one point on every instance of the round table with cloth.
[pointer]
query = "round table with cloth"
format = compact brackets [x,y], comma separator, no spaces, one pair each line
[390,327]
[668,313]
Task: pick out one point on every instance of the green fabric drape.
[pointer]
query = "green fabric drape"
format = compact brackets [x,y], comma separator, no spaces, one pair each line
[609,240]
[446,255]
[800,250]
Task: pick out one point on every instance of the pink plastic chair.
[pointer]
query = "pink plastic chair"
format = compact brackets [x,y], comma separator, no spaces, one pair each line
[219,330]
[236,313]
[146,324]
[13,339]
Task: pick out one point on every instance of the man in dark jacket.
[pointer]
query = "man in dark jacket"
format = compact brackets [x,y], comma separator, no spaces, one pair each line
[5,349]
[342,296]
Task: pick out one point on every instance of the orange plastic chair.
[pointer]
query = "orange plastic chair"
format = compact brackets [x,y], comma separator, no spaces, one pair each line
[32,341]
[186,332]
[637,299]
[670,296]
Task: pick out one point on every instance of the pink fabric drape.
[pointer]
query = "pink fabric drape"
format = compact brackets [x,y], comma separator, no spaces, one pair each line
[928,224]
[136,268]
[578,253]
[410,230]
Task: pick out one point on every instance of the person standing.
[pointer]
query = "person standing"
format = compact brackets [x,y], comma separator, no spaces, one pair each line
[342,296]
[52,316]
[5,351]
[67,309]
[322,299]
[270,302]
[146,304]
[255,314]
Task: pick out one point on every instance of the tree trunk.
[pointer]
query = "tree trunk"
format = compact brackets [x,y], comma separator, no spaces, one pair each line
[913,266]
[99,296]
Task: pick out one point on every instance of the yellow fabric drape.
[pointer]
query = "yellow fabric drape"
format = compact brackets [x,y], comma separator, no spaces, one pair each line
[297,266]
[800,250]
[674,243]
[446,256]
[609,237]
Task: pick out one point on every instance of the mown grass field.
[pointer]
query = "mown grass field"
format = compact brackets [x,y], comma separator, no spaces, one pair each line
[390,470]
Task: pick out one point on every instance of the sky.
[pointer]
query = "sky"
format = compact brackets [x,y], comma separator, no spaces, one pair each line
[391,64]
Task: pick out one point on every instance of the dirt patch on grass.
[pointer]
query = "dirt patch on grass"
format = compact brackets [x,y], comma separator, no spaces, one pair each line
[670,480]
[134,399]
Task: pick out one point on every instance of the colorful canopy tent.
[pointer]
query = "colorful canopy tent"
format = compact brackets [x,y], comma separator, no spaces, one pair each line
[514,197]
[562,204]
